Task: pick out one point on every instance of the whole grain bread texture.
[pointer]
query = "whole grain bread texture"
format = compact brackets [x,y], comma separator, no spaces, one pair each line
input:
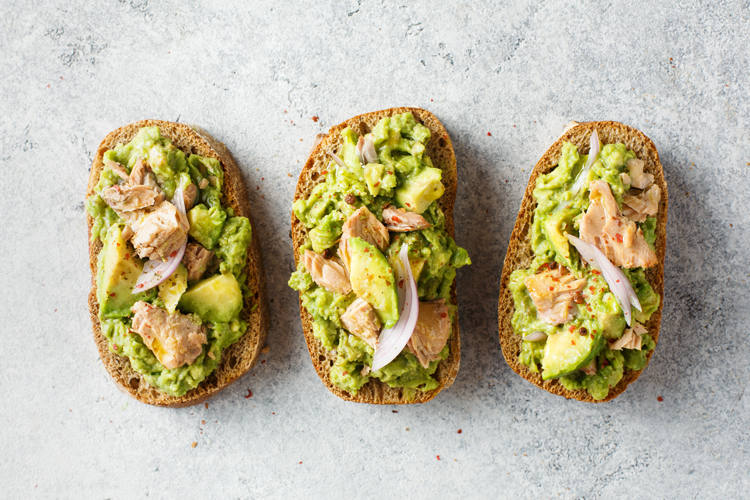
[440,150]
[520,254]
[238,358]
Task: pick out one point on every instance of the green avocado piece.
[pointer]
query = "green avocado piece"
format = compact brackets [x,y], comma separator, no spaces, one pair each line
[373,177]
[118,272]
[555,227]
[567,351]
[206,224]
[421,189]
[373,280]
[217,299]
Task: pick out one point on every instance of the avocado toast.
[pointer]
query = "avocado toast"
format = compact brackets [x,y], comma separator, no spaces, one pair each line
[582,286]
[178,298]
[372,226]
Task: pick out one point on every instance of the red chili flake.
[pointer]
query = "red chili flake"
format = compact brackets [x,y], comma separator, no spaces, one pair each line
[617,281]
[460,431]
[401,284]
[619,238]
[396,219]
[346,373]
[592,289]
[660,399]
[117,244]
[604,290]
[112,294]
[127,256]
[551,288]
[367,249]
[605,363]
[324,172]
[594,271]
[262,361]
[438,457]
[315,119]
[408,204]
[116,347]
[257,187]
[300,462]
[573,342]
[443,315]
[388,283]
[377,184]
[173,254]
[489,134]
[571,328]
[249,394]
[592,335]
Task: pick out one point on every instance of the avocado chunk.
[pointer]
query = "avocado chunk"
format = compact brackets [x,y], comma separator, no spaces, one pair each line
[217,299]
[421,189]
[556,226]
[172,289]
[118,273]
[373,280]
[567,351]
[373,177]
[206,224]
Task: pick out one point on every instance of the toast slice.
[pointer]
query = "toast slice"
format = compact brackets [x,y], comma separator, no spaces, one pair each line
[520,254]
[440,150]
[238,358]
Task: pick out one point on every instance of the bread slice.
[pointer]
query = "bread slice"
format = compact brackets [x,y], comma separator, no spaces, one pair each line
[440,150]
[238,358]
[520,254]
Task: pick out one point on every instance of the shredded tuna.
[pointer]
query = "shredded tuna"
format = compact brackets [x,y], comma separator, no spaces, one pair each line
[553,293]
[127,198]
[619,238]
[360,319]
[117,168]
[638,179]
[399,220]
[431,332]
[631,339]
[328,273]
[173,338]
[638,206]
[362,224]
[160,232]
[590,369]
[624,178]
[189,195]
[196,260]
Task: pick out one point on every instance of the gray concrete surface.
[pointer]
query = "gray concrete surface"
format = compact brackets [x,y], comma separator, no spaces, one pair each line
[255,77]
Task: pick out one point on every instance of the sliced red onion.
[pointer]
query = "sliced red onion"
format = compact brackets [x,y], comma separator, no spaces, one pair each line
[393,340]
[366,150]
[593,155]
[537,336]
[156,272]
[616,279]
[337,159]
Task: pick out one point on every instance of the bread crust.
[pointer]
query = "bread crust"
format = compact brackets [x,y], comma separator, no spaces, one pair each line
[520,254]
[237,359]
[440,150]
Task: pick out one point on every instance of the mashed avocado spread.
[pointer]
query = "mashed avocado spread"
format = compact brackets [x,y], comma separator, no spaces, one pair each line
[214,300]
[582,351]
[401,176]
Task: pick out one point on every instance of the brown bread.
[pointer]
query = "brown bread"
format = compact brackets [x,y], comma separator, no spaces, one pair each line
[440,150]
[237,359]
[520,254]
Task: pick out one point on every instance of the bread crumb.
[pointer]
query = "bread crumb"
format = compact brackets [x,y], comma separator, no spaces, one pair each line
[265,347]
[407,428]
[206,405]
[195,443]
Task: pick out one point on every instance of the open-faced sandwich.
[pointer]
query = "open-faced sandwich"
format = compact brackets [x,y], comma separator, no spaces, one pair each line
[178,300]
[372,225]
[582,285]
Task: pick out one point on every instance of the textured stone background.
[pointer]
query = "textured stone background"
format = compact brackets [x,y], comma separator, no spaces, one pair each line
[254,78]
